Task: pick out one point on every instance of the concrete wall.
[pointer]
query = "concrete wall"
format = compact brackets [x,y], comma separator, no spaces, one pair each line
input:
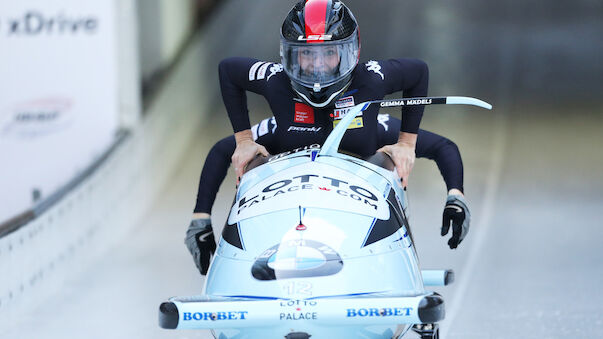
[37,259]
[163,26]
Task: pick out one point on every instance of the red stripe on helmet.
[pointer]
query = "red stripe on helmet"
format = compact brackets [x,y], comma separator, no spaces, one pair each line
[315,17]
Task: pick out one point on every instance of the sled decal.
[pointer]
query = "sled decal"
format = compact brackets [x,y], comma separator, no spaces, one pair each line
[296,259]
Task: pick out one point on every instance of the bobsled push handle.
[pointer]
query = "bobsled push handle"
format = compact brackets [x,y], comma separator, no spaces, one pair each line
[259,160]
[382,160]
[331,145]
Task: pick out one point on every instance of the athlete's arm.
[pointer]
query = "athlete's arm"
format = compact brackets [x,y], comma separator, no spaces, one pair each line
[447,157]
[238,75]
[245,151]
[430,145]
[402,154]
[411,76]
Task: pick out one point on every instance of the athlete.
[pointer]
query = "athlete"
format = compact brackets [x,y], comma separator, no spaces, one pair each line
[316,84]
[444,152]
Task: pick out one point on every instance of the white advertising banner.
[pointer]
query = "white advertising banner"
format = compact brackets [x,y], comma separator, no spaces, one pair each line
[58,94]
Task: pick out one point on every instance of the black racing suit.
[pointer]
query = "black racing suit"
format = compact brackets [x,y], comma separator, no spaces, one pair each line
[296,124]
[299,124]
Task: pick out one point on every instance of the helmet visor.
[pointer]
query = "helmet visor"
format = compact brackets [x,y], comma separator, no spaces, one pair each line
[321,64]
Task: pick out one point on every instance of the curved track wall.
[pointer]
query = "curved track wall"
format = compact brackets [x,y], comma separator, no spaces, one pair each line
[38,258]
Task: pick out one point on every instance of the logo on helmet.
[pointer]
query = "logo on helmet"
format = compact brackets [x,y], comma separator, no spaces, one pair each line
[313,37]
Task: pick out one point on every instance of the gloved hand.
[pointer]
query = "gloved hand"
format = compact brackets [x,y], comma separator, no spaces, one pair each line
[456,213]
[201,243]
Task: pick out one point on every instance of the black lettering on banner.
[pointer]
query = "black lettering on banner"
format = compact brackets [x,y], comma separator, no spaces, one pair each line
[342,192]
[335,182]
[36,23]
[283,183]
[14,26]
[366,202]
[363,192]
[244,200]
[306,177]
[298,316]
[33,22]
[355,197]
[91,24]
[49,24]
[298,302]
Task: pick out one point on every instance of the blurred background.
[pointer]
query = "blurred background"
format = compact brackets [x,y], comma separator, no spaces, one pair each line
[109,107]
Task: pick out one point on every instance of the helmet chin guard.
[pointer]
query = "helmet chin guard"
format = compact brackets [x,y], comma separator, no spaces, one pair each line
[323,100]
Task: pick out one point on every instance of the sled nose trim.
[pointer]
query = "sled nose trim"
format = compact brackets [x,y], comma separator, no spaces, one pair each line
[168,315]
[431,309]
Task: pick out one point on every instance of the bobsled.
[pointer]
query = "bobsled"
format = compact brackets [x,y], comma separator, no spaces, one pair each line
[318,244]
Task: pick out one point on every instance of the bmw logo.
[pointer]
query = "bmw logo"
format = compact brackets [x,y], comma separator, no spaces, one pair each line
[296,259]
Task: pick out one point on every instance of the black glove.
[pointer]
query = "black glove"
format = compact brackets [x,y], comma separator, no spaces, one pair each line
[201,243]
[456,213]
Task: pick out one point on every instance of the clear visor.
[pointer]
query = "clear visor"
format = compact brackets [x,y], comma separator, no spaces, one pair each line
[319,64]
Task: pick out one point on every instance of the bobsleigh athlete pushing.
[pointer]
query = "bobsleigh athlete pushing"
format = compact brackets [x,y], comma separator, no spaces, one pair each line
[317,242]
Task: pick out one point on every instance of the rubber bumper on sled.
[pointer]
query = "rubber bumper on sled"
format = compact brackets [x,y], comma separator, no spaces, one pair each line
[205,313]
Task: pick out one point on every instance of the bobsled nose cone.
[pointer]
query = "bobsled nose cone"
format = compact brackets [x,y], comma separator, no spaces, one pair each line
[168,315]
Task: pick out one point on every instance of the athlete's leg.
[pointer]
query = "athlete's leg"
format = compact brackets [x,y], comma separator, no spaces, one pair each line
[213,173]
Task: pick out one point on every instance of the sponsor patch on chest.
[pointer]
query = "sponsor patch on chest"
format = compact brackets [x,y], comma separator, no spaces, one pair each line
[338,114]
[303,114]
[345,102]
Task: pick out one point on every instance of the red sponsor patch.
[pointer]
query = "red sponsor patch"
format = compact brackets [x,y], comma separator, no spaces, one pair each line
[303,113]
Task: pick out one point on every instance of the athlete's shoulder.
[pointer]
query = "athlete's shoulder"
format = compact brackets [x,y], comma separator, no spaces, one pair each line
[264,70]
[389,69]
[254,69]
[370,69]
[407,64]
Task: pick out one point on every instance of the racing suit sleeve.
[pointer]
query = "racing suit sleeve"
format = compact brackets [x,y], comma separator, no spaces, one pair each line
[429,145]
[446,155]
[411,76]
[219,158]
[237,75]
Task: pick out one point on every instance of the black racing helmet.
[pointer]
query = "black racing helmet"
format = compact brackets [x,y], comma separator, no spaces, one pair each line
[320,47]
